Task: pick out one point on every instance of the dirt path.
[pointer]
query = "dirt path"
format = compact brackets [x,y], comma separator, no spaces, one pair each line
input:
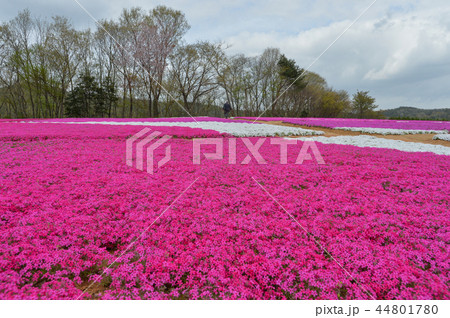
[422,138]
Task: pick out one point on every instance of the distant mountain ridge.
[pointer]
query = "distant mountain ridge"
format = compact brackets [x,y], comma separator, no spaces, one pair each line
[406,112]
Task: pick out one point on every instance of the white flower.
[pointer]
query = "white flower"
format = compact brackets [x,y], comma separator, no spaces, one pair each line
[391,131]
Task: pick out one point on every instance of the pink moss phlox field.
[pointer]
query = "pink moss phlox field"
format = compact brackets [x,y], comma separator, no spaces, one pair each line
[169,119]
[70,206]
[367,123]
[28,131]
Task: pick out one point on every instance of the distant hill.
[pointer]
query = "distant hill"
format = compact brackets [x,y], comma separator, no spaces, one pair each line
[417,113]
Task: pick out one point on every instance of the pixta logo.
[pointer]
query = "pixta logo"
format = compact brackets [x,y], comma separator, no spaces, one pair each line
[145,141]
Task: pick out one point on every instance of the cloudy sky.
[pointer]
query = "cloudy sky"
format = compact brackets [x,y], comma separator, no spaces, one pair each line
[399,50]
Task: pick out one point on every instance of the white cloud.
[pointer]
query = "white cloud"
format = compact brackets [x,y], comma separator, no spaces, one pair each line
[403,50]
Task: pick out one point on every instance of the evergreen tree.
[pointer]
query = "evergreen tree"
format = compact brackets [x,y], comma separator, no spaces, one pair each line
[291,73]
[89,99]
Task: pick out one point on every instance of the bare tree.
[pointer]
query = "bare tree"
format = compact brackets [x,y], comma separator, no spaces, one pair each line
[193,73]
[106,57]
[160,34]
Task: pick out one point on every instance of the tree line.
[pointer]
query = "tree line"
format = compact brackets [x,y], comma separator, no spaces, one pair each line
[140,66]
